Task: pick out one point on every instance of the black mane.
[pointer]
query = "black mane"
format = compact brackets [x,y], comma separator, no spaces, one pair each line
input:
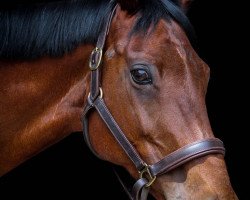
[29,31]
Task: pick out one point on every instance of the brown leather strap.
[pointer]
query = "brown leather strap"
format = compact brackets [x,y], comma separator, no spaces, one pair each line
[118,134]
[187,153]
[178,158]
[140,191]
[85,123]
[96,56]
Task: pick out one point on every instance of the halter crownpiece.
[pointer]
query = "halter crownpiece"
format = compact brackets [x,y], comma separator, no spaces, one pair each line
[147,173]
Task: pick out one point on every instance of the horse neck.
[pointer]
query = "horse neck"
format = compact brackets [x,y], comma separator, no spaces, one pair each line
[41,103]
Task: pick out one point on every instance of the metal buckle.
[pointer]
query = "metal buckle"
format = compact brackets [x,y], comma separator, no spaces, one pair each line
[145,173]
[95,59]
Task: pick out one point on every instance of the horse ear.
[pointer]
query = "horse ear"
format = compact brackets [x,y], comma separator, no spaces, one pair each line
[129,5]
[185,4]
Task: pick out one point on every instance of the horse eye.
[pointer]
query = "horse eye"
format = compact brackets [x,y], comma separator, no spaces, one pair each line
[141,76]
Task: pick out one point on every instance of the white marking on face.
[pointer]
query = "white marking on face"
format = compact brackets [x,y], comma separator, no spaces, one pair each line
[110,53]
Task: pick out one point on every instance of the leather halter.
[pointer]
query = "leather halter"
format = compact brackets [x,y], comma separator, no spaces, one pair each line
[147,173]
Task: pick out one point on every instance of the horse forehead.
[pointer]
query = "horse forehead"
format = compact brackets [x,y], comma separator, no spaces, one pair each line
[166,35]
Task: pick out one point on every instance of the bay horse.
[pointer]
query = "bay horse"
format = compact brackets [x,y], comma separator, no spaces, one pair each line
[143,92]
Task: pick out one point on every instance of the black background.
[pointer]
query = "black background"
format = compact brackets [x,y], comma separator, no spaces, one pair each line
[220,27]
[69,170]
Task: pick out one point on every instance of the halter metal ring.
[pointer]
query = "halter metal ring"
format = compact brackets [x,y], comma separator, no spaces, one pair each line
[100,95]
[145,173]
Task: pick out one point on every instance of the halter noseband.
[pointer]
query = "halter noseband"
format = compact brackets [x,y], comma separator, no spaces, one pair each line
[147,173]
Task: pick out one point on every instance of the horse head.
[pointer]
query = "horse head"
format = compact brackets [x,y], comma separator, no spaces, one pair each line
[154,84]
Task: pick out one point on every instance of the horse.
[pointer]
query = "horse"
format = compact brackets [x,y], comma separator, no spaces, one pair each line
[138,97]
